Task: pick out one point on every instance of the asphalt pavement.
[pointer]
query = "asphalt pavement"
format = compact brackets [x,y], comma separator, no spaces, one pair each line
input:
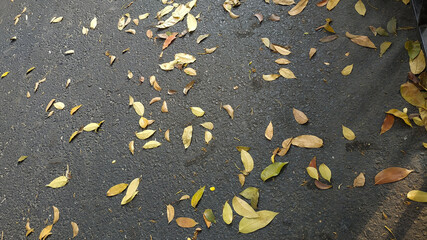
[232,75]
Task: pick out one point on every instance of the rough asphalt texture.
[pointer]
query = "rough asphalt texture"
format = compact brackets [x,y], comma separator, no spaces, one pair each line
[329,99]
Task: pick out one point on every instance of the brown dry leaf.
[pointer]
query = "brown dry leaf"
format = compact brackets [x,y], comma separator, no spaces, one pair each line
[169,40]
[360,40]
[132,147]
[45,232]
[322,3]
[298,8]
[229,110]
[187,135]
[167,137]
[328,38]
[331,4]
[284,2]
[54,19]
[321,185]
[299,116]
[185,222]
[170,210]
[347,70]
[286,144]
[387,124]
[312,52]
[282,61]
[269,131]
[259,17]
[270,77]
[164,107]
[49,104]
[74,109]
[188,87]
[392,174]
[307,141]
[184,197]
[286,73]
[28,228]
[266,42]
[149,34]
[359,181]
[136,21]
[55,214]
[156,99]
[401,115]
[75,229]
[274,17]
[418,64]
[280,49]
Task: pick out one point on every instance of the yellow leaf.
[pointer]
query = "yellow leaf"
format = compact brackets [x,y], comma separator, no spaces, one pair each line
[145,134]
[197,196]
[197,111]
[85,31]
[187,135]
[383,47]
[242,179]
[266,42]
[143,122]
[167,137]
[280,49]
[116,189]
[151,144]
[132,147]
[229,110]
[400,115]
[347,70]
[282,61]
[331,4]
[348,133]
[131,191]
[248,225]
[191,22]
[417,196]
[307,141]
[170,210]
[93,23]
[227,213]
[325,172]
[55,215]
[312,172]
[284,2]
[202,37]
[4,74]
[28,228]
[59,105]
[58,182]
[207,125]
[270,77]
[425,145]
[169,65]
[312,52]
[299,116]
[30,70]
[247,161]
[91,127]
[243,208]
[74,135]
[56,19]
[298,8]
[190,71]
[45,232]
[418,64]
[183,58]
[75,229]
[286,73]
[139,108]
[22,158]
[360,8]
[74,109]
[269,131]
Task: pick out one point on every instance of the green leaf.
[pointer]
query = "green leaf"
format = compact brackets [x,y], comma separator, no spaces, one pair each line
[381,31]
[243,208]
[227,213]
[325,172]
[251,193]
[209,215]
[272,170]
[391,26]
[413,48]
[248,225]
[197,196]
[383,47]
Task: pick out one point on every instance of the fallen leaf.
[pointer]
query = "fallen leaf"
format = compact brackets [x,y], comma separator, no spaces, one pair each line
[360,40]
[75,134]
[401,115]
[325,172]
[58,182]
[298,8]
[286,73]
[227,213]
[191,22]
[270,77]
[202,37]
[149,34]
[179,14]
[312,172]
[169,40]
[332,4]
[208,137]
[50,104]
[307,141]
[4,74]
[383,47]
[170,211]
[85,31]
[190,71]
[347,70]
[93,23]
[208,215]
[197,196]
[259,17]
[55,215]
[151,144]
[75,229]
[185,222]
[186,136]
[284,2]
[247,161]
[74,109]
[243,208]
[299,116]
[266,42]
[28,228]
[207,125]
[274,17]
[286,144]
[252,194]
[312,52]
[391,26]
[188,87]
[241,179]
[413,95]
[22,158]
[92,127]
[348,133]
[153,100]
[59,105]
[392,174]
[229,110]
[45,232]
[69,52]
[387,124]
[322,3]
[116,189]
[328,38]
[131,191]
[56,19]
[360,8]
[359,181]
[321,185]
[381,31]
[139,108]
[30,70]
[269,131]
[198,112]
[425,145]
[413,48]
[248,225]
[280,49]
[417,196]
[272,170]
[143,122]
[282,61]
[418,64]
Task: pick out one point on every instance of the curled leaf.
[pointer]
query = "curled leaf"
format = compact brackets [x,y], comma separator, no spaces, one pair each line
[401,115]
[298,8]
[75,229]
[170,210]
[229,110]
[131,192]
[392,174]
[22,158]
[55,214]
[321,185]
[167,135]
[74,109]
[28,228]
[45,232]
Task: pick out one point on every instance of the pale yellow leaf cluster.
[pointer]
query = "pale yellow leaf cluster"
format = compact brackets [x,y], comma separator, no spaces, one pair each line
[180,12]
[131,192]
